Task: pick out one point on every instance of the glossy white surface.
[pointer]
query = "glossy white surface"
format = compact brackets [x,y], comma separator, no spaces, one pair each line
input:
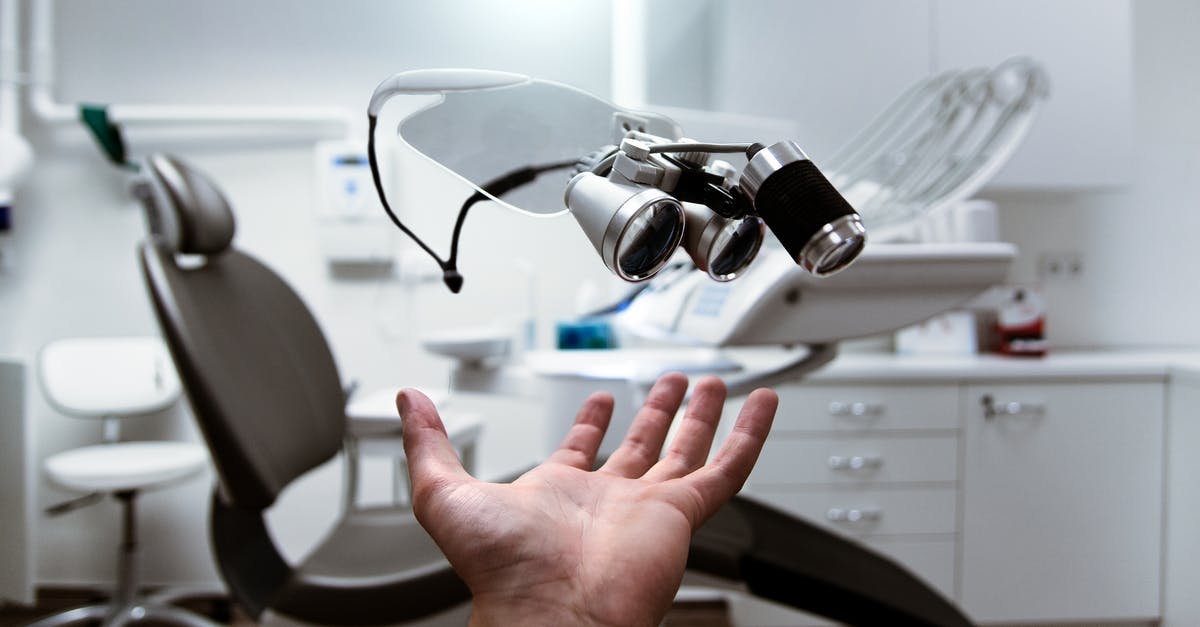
[888,287]
[1063,512]
[628,364]
[1150,365]
[469,344]
[374,415]
[108,376]
[125,465]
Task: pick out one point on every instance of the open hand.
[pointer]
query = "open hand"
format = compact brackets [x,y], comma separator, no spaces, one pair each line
[564,544]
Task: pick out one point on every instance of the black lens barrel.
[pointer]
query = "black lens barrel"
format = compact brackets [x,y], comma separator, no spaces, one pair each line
[796,202]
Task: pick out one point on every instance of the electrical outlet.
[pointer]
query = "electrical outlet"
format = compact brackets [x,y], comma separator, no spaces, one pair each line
[1060,266]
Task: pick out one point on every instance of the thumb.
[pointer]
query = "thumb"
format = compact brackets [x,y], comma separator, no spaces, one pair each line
[432,461]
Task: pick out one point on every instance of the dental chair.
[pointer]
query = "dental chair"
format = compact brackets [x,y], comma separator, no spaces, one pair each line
[266,394]
[265,391]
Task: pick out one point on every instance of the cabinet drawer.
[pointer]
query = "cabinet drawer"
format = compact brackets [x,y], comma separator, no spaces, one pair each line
[857,408]
[852,460]
[863,512]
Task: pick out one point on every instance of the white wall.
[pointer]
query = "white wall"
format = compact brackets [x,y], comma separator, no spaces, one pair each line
[1106,172]
[1138,243]
[76,229]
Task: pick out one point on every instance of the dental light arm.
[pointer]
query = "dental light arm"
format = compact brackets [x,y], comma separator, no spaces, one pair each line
[639,201]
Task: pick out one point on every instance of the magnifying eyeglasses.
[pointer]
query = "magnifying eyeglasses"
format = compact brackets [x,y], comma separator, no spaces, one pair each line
[643,200]
[640,202]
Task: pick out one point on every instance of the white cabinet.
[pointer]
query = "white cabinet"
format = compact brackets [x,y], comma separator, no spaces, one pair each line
[1182,578]
[1062,501]
[1043,505]
[878,463]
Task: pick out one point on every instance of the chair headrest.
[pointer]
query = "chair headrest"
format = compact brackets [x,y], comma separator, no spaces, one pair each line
[184,207]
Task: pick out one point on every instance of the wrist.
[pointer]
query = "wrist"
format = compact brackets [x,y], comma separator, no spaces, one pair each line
[527,612]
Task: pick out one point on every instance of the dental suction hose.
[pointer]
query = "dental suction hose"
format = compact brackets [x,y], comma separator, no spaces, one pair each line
[818,228]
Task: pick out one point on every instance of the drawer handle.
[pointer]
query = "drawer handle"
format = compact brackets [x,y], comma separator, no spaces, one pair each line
[856,462]
[857,409]
[992,409]
[854,516]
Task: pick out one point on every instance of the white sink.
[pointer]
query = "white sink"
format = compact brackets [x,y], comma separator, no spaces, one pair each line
[890,286]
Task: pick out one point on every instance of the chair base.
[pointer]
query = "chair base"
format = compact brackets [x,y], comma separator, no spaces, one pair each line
[127,604]
[139,610]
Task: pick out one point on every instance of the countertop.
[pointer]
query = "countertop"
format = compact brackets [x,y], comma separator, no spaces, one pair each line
[852,366]
[1159,365]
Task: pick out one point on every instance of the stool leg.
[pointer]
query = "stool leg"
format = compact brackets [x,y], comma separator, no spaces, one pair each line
[123,600]
[126,606]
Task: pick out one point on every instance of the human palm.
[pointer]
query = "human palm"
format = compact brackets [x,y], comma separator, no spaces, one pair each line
[566,544]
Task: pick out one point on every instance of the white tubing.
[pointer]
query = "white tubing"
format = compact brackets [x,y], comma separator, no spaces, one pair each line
[48,110]
[10,66]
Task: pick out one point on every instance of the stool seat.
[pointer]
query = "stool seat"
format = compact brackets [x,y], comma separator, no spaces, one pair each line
[122,466]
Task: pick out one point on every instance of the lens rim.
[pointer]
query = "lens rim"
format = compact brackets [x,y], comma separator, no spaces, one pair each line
[766,162]
[834,247]
[618,226]
[751,255]
[711,239]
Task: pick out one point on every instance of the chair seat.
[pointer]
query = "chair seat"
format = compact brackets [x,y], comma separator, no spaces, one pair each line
[378,566]
[377,543]
[124,466]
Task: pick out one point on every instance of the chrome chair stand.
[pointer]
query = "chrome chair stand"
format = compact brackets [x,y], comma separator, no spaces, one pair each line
[126,605]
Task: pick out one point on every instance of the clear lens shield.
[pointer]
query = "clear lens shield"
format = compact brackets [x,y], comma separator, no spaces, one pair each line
[484,134]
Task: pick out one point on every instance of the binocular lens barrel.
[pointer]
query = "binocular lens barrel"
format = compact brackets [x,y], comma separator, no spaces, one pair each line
[818,228]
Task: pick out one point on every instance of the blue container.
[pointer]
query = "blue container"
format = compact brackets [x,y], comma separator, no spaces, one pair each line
[585,334]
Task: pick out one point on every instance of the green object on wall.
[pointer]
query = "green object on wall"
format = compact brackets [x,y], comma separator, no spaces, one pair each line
[107,134]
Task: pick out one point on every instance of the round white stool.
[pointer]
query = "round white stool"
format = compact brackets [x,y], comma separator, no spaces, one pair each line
[107,379]
[121,466]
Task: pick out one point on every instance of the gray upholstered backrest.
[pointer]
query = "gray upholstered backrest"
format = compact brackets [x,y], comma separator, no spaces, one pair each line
[185,209]
[257,371]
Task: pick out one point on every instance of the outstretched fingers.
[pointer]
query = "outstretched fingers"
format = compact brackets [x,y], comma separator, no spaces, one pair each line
[723,477]
[432,460]
[578,448]
[644,440]
[690,446]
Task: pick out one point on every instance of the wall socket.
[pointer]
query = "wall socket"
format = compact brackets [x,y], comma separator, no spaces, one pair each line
[1060,266]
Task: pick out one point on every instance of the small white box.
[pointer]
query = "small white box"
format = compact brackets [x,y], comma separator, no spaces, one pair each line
[950,333]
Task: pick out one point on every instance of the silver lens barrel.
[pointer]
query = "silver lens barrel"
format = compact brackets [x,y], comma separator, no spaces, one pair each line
[721,247]
[635,229]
